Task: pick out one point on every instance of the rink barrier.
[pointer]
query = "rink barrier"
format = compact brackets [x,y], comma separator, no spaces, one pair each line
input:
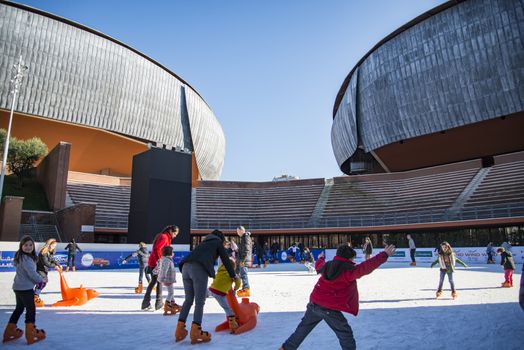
[100,256]
[470,255]
[94,256]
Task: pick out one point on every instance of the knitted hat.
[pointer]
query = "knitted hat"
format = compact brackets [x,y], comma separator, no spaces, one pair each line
[345,251]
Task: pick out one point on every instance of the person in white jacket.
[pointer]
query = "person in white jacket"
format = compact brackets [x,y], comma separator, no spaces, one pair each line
[165,269]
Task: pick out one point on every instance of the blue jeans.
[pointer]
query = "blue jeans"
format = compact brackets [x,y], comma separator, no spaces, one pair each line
[335,320]
[141,271]
[242,271]
[450,278]
[222,301]
[194,277]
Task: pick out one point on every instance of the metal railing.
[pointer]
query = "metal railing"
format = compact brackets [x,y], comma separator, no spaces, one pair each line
[384,219]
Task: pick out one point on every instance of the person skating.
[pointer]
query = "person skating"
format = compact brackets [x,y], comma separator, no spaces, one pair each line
[71,248]
[336,292]
[165,270]
[161,240]
[447,260]
[45,261]
[219,288]
[367,248]
[309,260]
[245,248]
[196,269]
[26,278]
[412,250]
[507,262]
[490,252]
[142,255]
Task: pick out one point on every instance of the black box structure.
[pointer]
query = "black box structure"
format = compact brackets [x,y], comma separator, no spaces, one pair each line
[160,195]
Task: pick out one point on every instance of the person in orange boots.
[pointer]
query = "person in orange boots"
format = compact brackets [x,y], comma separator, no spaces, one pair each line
[336,292]
[447,260]
[196,268]
[507,262]
[26,278]
[219,288]
[165,270]
[45,261]
[142,255]
[71,248]
[161,240]
[245,249]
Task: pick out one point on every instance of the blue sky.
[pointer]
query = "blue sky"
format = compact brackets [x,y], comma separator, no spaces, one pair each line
[270,70]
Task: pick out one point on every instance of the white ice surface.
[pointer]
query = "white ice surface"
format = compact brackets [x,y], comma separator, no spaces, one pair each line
[397,311]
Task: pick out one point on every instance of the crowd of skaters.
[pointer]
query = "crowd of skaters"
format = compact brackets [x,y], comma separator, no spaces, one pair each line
[337,276]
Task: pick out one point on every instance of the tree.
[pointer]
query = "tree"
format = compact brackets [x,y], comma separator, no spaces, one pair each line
[23,154]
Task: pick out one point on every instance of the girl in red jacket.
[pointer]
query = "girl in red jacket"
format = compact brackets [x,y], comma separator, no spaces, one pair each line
[336,291]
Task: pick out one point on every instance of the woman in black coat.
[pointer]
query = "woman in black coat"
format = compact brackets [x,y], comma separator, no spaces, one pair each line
[196,268]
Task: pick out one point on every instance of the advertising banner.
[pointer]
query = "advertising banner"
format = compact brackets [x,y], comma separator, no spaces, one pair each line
[90,259]
[470,255]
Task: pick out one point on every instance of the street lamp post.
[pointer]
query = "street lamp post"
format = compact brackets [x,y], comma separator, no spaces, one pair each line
[20,72]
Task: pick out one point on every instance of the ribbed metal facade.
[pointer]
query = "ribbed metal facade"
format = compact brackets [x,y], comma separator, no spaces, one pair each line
[79,76]
[460,66]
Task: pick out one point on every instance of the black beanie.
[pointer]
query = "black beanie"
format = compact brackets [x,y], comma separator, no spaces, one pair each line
[219,234]
[345,251]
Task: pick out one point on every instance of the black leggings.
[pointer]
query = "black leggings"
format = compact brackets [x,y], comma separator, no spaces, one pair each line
[24,300]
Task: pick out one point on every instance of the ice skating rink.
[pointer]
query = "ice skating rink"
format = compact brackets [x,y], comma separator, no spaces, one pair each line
[398,310]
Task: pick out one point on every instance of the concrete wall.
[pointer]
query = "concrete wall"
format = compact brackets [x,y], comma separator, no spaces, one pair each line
[51,173]
[71,220]
[10,216]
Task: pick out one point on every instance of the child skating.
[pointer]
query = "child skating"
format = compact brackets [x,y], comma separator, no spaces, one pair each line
[219,288]
[142,255]
[309,260]
[336,291]
[447,260]
[165,270]
[24,282]
[45,261]
[507,262]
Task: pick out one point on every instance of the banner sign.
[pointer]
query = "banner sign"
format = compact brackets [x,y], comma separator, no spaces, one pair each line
[89,260]
[104,258]
[470,255]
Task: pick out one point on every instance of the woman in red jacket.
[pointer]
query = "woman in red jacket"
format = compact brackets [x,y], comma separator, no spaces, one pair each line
[161,240]
[336,291]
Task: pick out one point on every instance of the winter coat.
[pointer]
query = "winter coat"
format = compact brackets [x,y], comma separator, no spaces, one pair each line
[245,247]
[26,276]
[411,243]
[141,254]
[447,261]
[367,248]
[222,282]
[506,260]
[337,287]
[72,248]
[490,249]
[275,247]
[207,252]
[45,261]
[164,239]
[165,269]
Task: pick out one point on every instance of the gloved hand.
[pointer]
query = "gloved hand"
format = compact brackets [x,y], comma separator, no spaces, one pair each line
[124,262]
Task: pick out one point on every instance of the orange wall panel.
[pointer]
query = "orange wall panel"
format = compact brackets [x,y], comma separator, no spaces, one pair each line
[92,150]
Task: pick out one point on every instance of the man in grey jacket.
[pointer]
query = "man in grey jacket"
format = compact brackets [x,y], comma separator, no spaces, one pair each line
[245,250]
